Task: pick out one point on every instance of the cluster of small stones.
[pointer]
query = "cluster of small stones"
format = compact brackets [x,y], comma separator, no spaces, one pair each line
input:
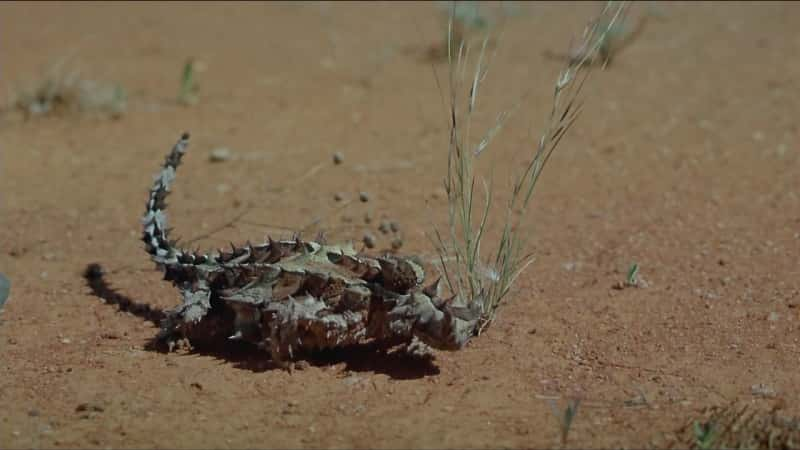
[388,228]
[292,295]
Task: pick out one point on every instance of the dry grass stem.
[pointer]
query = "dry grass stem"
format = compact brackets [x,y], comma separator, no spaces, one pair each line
[470,276]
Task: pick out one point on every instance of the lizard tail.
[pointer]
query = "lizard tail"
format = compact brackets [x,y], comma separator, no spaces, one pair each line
[156,234]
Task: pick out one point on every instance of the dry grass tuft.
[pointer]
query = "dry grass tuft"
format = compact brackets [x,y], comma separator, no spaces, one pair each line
[469,275]
[63,90]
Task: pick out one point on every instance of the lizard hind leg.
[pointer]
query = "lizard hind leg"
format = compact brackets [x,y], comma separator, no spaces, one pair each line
[196,320]
[281,353]
[418,349]
[282,326]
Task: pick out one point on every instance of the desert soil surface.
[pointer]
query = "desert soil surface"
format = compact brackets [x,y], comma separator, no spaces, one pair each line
[684,161]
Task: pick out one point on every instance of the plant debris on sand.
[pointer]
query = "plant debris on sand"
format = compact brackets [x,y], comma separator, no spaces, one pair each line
[62,90]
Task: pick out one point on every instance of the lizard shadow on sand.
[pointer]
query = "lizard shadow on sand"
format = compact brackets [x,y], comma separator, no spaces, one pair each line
[367,357]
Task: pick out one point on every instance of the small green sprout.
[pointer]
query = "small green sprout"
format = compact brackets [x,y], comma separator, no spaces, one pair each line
[565,417]
[5,289]
[704,435]
[633,275]
[188,94]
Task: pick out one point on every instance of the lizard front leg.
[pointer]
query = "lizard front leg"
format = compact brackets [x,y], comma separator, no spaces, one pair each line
[180,322]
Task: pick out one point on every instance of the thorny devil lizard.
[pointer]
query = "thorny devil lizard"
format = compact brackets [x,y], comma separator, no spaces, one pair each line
[291,295]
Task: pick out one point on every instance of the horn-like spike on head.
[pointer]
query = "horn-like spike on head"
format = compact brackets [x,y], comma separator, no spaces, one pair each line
[434,289]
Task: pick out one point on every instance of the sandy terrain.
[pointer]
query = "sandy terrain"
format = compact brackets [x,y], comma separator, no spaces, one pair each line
[684,161]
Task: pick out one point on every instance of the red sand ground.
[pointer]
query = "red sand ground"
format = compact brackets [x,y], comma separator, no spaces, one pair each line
[685,161]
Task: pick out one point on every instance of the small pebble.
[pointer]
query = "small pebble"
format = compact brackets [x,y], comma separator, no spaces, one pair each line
[384,227]
[763,390]
[363,196]
[369,240]
[569,266]
[338,197]
[220,154]
[397,243]
[338,158]
[394,226]
[367,218]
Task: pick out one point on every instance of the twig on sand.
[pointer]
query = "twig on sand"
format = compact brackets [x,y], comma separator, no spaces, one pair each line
[229,224]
